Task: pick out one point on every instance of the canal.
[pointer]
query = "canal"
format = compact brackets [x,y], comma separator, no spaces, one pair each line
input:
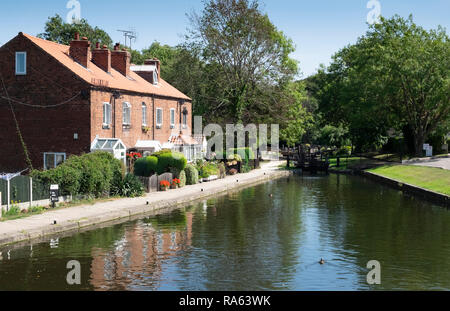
[269,237]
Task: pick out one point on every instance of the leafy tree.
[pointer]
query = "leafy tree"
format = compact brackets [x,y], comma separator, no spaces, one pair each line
[57,30]
[398,73]
[243,53]
[298,118]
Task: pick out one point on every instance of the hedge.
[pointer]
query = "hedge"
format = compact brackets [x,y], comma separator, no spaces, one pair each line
[90,174]
[191,175]
[146,167]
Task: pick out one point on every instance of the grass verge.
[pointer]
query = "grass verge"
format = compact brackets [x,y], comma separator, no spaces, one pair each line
[430,178]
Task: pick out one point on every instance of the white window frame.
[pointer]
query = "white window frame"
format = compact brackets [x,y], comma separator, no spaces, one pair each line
[172,120]
[21,73]
[159,124]
[55,154]
[107,114]
[144,114]
[126,106]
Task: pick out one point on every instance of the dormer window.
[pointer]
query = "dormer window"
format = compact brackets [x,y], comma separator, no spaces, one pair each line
[21,63]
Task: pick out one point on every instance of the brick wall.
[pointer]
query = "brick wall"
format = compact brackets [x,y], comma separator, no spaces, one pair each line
[134,133]
[44,129]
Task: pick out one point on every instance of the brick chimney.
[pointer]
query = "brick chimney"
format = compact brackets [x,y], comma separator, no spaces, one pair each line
[102,57]
[80,50]
[120,60]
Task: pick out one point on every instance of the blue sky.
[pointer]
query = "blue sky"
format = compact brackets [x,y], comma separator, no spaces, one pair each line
[318,28]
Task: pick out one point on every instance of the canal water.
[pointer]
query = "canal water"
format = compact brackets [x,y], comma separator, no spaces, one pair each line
[250,240]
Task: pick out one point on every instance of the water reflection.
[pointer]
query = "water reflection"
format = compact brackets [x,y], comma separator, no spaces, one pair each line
[269,237]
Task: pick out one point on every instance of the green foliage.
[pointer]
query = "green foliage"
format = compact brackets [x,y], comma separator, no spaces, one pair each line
[164,163]
[209,169]
[168,160]
[191,175]
[146,167]
[298,119]
[228,48]
[130,187]
[57,30]
[89,174]
[396,74]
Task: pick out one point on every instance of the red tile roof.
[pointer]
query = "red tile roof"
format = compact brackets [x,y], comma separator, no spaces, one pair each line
[96,76]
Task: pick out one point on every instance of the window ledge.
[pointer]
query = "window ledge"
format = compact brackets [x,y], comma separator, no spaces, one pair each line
[106,126]
[159,127]
[126,126]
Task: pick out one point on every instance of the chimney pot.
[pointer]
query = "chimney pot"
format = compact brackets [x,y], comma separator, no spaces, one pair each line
[77,36]
[105,46]
[97,45]
[85,38]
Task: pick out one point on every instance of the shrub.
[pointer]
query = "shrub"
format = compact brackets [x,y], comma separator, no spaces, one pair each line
[89,174]
[209,170]
[191,175]
[146,167]
[141,168]
[182,178]
[164,162]
[178,161]
[130,187]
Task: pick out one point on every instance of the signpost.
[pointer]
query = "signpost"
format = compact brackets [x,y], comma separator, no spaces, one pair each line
[54,195]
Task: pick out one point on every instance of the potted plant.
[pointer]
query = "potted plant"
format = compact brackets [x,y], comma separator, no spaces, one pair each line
[164,185]
[175,183]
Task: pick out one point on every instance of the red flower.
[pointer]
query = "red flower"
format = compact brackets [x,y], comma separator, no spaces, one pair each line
[164,183]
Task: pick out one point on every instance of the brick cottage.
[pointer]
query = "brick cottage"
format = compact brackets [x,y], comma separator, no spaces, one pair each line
[70,100]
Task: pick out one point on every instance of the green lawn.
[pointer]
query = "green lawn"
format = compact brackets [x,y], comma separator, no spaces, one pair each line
[434,179]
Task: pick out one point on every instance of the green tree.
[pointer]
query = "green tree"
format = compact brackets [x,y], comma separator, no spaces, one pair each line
[297,118]
[398,73]
[244,55]
[57,30]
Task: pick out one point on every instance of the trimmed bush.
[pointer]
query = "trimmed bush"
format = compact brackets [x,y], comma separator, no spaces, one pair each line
[164,163]
[191,175]
[209,170]
[178,161]
[146,167]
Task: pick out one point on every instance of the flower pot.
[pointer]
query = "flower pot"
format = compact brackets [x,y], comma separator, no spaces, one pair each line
[174,187]
[163,188]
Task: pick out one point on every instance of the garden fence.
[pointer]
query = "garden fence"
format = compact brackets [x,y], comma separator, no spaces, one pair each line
[22,189]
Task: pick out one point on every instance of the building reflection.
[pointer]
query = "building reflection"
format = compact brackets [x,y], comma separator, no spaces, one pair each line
[137,258]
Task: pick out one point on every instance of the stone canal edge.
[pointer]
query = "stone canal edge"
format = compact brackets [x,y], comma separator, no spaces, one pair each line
[83,218]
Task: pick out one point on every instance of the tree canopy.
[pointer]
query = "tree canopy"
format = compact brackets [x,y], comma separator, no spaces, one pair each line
[397,74]
[57,30]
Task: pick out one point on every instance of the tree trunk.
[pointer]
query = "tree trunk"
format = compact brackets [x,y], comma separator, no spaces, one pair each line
[419,140]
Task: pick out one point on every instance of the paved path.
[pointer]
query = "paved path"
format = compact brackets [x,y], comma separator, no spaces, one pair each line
[76,218]
[432,162]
